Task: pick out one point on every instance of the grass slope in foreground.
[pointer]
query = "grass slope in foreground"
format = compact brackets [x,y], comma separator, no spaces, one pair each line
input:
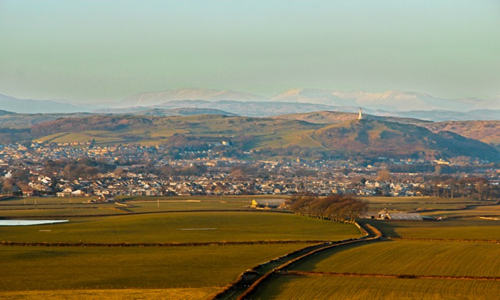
[66,268]
[338,287]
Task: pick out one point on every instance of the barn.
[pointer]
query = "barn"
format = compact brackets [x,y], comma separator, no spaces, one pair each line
[399,216]
[269,203]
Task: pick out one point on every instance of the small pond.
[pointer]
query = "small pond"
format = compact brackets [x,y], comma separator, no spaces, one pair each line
[29,222]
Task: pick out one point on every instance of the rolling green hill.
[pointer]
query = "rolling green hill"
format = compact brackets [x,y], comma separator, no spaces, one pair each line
[380,138]
[368,137]
[484,131]
[335,117]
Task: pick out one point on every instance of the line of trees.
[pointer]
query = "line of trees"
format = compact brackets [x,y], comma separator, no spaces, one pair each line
[334,207]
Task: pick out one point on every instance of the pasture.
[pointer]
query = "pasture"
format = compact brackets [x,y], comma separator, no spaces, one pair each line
[361,288]
[184,228]
[465,228]
[427,205]
[409,257]
[77,268]
[177,272]
[116,294]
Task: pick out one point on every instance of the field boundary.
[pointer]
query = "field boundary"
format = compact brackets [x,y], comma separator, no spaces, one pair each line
[445,240]
[84,244]
[150,212]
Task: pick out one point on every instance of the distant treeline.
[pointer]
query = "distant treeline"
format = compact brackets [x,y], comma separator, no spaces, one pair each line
[336,208]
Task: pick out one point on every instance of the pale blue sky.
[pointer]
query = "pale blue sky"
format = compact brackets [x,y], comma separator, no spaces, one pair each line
[107,50]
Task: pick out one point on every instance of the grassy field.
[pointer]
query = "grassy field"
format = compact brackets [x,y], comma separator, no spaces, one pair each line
[111,208]
[475,211]
[118,294]
[469,228]
[333,287]
[421,203]
[44,200]
[184,227]
[177,205]
[67,268]
[408,257]
[185,272]
[426,199]
[41,213]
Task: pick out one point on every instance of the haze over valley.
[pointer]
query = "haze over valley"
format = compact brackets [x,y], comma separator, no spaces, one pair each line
[249,149]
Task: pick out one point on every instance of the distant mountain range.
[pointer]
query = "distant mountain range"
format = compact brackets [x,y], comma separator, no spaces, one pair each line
[155,98]
[390,100]
[200,101]
[28,106]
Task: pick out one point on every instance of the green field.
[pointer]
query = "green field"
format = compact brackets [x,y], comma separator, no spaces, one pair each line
[490,210]
[337,287]
[431,200]
[63,212]
[54,268]
[117,294]
[181,272]
[408,257]
[184,227]
[177,205]
[423,204]
[43,200]
[469,228]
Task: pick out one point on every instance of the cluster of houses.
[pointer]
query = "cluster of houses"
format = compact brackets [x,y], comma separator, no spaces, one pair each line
[274,177]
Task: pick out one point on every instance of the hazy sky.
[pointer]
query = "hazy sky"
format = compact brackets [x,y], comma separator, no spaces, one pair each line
[106,50]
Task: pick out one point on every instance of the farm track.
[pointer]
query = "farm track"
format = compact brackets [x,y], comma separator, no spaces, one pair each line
[237,290]
[406,276]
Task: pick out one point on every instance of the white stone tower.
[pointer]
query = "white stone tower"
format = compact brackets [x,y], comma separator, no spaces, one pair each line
[360,116]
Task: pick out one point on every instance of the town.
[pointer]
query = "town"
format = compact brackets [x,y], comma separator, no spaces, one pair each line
[81,169]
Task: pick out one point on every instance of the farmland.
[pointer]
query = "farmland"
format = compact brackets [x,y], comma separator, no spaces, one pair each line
[341,287]
[74,268]
[456,258]
[409,257]
[468,228]
[138,248]
[427,205]
[190,248]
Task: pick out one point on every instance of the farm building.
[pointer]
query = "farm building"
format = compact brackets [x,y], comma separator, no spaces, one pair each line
[269,203]
[399,216]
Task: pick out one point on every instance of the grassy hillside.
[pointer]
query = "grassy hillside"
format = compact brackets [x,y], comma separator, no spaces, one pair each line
[380,138]
[334,117]
[327,132]
[485,131]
